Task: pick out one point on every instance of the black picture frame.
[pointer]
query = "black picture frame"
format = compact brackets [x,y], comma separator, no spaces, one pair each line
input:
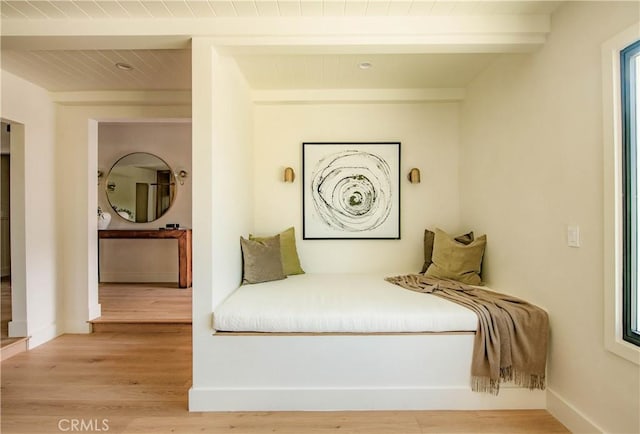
[351,190]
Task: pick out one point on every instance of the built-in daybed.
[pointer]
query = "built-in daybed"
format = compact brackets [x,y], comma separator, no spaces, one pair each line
[339,303]
[345,342]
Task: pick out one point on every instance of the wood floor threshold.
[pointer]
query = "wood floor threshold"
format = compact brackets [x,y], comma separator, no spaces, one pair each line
[140,327]
[140,321]
[13,346]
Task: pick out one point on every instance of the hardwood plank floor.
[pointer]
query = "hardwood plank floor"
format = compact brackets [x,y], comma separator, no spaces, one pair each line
[145,302]
[138,383]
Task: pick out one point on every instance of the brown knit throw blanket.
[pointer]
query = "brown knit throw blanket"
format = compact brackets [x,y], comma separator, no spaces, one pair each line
[511,340]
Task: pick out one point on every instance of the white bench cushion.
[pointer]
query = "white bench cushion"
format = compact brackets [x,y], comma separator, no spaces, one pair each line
[340,303]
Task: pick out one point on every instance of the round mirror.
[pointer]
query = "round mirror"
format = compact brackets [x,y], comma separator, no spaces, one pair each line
[140,187]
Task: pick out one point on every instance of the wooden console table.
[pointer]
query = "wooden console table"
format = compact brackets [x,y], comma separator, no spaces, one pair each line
[184,246]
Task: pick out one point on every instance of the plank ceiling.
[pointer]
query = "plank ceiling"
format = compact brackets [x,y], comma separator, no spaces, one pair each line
[170,69]
[94,9]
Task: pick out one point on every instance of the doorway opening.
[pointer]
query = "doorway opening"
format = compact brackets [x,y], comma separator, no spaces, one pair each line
[139,162]
[13,315]
[5,229]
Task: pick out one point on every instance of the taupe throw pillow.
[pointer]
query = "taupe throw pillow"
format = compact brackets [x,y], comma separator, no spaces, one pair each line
[261,260]
[454,260]
[428,246]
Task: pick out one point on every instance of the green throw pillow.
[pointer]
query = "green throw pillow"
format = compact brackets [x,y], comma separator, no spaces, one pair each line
[455,260]
[261,260]
[428,246]
[290,261]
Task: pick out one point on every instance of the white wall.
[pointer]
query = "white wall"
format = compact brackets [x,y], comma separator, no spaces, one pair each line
[531,164]
[148,260]
[222,188]
[429,136]
[34,210]
[77,152]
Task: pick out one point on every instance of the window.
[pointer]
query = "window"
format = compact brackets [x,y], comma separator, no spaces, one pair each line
[630,97]
[617,219]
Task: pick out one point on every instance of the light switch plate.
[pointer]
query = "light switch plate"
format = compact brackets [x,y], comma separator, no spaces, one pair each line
[573,236]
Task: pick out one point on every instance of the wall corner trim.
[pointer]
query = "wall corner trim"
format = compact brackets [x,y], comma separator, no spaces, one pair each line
[568,415]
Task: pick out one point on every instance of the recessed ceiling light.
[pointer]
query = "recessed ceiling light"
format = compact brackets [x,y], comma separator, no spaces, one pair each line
[365,65]
[124,66]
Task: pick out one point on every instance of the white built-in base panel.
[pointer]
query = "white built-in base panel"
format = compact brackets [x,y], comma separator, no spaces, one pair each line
[274,372]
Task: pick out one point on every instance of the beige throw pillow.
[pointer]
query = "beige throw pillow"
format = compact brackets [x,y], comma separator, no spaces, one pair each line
[261,260]
[455,260]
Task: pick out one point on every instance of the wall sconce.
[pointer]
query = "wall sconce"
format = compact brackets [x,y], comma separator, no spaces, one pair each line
[289,175]
[111,186]
[414,176]
[181,175]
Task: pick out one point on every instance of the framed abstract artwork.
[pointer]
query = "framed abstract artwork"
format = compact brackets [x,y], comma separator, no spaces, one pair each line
[351,190]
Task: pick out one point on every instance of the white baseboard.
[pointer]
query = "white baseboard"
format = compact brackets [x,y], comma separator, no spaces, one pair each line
[43,335]
[78,327]
[36,337]
[126,277]
[18,329]
[328,399]
[569,416]
[95,311]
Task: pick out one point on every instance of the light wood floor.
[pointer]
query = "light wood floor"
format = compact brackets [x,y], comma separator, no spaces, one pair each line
[145,302]
[138,383]
[138,307]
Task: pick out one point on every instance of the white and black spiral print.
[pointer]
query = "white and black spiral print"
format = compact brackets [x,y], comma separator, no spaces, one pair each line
[352,190]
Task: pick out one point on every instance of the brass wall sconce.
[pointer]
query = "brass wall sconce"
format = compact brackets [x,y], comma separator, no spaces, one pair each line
[414,176]
[289,174]
[181,175]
